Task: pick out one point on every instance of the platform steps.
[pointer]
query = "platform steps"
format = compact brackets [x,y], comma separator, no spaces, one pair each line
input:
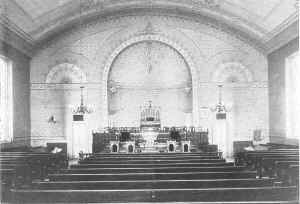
[154,184]
[149,165]
[185,177]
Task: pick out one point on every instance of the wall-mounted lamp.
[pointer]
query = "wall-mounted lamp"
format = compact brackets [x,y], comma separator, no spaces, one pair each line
[52,119]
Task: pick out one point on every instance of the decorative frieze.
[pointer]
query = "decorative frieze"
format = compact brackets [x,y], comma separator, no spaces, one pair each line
[59,86]
[255,84]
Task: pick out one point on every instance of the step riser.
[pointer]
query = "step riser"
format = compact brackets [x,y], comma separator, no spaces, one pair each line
[99,171]
[154,185]
[151,161]
[158,196]
[152,165]
[154,157]
[157,154]
[215,175]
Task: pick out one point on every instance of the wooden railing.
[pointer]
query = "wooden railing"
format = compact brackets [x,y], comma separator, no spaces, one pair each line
[101,140]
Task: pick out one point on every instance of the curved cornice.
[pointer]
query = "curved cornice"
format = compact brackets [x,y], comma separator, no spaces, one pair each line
[78,15]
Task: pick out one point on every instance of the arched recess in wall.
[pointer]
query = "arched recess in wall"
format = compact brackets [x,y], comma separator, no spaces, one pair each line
[231,72]
[149,71]
[231,75]
[156,38]
[66,73]
[63,94]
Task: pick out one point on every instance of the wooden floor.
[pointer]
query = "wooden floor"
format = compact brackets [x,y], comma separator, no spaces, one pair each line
[156,178]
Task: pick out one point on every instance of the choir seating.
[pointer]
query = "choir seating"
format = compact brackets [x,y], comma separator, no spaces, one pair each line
[156,177]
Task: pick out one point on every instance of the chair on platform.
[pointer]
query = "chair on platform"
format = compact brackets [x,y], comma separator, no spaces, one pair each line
[130,147]
[114,146]
[185,146]
[171,145]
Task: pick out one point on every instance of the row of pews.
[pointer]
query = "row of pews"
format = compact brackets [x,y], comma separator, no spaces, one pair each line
[156,177]
[280,163]
[20,169]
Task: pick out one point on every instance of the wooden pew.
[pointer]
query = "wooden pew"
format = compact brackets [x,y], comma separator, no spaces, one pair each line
[156,178]
[266,162]
[258,194]
[149,176]
[288,172]
[251,157]
[152,169]
[7,181]
[19,169]
[31,165]
[155,184]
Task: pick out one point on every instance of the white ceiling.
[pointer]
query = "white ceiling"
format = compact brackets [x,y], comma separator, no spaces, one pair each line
[37,8]
[266,14]
[264,18]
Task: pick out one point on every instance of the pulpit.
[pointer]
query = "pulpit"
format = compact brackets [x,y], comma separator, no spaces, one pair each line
[149,126]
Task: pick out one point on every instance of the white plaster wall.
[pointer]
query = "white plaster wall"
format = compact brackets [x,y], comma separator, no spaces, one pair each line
[207,47]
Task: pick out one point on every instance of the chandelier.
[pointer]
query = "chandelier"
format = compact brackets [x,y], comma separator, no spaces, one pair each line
[220,107]
[82,109]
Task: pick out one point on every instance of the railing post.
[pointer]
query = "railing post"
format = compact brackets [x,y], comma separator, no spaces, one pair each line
[260,166]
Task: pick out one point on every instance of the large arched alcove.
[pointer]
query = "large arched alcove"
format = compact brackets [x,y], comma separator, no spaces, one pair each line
[149,71]
[163,40]
[63,96]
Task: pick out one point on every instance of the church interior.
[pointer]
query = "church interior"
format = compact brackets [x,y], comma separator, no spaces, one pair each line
[149,101]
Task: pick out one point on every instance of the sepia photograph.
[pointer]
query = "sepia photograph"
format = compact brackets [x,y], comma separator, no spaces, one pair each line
[149,101]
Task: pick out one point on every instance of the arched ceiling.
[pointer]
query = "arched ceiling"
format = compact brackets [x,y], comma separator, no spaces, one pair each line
[259,19]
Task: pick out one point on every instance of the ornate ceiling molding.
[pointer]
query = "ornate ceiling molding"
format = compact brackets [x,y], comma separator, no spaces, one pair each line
[78,11]
[196,10]
[285,36]
[15,37]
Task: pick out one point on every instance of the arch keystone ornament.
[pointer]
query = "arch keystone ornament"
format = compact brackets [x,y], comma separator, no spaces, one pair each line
[150,37]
